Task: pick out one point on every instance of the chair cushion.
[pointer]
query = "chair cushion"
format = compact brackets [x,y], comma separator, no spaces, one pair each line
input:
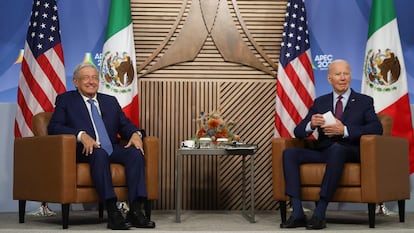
[83,176]
[311,174]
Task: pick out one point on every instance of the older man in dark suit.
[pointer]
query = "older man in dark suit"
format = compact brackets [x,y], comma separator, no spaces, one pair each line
[97,119]
[338,142]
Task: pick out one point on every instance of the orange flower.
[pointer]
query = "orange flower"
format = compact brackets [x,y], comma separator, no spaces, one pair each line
[201,133]
[213,123]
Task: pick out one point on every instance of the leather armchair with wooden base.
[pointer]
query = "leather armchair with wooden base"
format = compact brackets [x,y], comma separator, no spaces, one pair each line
[381,176]
[45,170]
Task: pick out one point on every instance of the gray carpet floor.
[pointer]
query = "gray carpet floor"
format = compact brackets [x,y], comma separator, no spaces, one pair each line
[207,221]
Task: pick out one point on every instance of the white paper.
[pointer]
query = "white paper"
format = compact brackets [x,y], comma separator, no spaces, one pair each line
[329,118]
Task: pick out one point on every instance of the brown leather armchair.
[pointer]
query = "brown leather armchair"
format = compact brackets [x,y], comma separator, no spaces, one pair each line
[45,170]
[381,176]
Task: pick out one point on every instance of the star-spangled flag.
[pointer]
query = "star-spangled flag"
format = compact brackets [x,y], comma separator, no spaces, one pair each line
[384,75]
[295,89]
[42,75]
[118,76]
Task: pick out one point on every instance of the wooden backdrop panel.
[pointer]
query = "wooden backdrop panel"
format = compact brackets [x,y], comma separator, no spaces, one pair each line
[189,62]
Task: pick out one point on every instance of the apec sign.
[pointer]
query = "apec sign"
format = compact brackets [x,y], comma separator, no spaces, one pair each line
[322,61]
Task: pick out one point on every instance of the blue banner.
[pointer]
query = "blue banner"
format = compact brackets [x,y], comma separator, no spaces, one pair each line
[82,25]
[339,30]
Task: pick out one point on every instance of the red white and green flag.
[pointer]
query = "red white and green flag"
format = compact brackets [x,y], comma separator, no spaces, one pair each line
[384,76]
[118,75]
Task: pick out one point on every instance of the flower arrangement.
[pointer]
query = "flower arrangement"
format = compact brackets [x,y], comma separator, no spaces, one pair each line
[213,126]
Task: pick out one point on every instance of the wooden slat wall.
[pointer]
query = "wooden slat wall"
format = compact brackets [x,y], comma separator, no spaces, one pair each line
[172,96]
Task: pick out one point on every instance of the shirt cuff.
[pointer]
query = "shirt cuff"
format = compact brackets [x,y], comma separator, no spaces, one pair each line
[78,138]
[346,134]
[308,128]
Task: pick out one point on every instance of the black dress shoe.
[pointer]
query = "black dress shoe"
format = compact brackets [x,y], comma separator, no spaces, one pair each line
[116,221]
[137,219]
[293,222]
[316,224]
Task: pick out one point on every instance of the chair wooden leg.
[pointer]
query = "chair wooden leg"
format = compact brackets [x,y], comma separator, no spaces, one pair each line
[371,214]
[147,208]
[401,210]
[65,215]
[282,211]
[22,210]
[101,210]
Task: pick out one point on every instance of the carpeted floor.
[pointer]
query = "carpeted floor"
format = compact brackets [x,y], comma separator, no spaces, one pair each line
[207,221]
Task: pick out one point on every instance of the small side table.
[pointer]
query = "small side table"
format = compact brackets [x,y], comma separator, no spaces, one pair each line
[244,151]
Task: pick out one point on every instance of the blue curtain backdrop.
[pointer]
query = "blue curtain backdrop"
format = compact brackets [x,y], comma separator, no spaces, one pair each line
[338,29]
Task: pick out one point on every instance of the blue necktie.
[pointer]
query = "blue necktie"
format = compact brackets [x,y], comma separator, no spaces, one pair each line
[100,128]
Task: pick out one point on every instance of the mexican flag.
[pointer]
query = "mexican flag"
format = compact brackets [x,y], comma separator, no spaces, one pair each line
[384,76]
[118,75]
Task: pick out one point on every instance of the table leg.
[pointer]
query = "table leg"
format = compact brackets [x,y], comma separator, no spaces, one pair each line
[251,215]
[252,199]
[178,188]
[244,184]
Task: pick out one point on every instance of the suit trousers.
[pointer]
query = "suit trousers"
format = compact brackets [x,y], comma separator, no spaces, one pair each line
[334,156]
[133,161]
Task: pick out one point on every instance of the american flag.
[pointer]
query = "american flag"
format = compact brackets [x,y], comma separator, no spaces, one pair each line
[42,75]
[295,81]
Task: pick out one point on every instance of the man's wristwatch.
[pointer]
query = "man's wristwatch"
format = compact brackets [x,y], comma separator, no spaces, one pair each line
[139,134]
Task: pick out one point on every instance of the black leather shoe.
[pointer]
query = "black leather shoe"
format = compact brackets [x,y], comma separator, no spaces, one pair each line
[116,221]
[316,224]
[293,223]
[137,219]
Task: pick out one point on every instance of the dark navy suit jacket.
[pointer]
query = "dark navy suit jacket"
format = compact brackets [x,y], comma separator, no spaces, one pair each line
[359,117]
[71,116]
